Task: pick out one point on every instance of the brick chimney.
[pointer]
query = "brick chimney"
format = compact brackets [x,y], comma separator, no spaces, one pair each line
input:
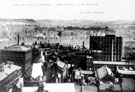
[18,39]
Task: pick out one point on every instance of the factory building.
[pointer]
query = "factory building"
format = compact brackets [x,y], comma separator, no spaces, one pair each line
[18,54]
[106,48]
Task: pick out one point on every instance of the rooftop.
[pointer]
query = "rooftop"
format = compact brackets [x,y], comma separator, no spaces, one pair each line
[18,48]
[60,64]
[37,70]
[7,70]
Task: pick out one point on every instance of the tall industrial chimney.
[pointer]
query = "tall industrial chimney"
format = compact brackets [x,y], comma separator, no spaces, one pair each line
[18,39]
[83,46]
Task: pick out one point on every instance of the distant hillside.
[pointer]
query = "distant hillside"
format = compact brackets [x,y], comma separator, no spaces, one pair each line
[17,20]
[121,27]
[9,28]
[83,23]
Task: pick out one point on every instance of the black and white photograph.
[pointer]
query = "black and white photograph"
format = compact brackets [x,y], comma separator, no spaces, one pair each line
[67,45]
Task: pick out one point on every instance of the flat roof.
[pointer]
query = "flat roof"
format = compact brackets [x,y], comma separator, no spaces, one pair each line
[18,48]
[7,71]
[37,70]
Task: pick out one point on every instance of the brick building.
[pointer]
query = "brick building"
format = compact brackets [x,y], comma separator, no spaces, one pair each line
[18,54]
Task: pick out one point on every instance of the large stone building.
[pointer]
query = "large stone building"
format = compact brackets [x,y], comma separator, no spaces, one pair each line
[18,54]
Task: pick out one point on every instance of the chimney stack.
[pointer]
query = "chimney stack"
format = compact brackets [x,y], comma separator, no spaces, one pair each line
[83,46]
[18,39]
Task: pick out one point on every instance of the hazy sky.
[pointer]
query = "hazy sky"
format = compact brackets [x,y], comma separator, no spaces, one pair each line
[68,9]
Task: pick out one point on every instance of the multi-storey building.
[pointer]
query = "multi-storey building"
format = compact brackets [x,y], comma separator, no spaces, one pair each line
[106,48]
[10,75]
[18,54]
[109,47]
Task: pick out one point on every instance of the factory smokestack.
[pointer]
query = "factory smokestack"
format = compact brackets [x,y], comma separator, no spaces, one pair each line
[18,38]
[83,46]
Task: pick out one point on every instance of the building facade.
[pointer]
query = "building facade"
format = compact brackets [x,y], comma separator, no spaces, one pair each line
[106,48]
[18,54]
[9,76]
[35,54]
